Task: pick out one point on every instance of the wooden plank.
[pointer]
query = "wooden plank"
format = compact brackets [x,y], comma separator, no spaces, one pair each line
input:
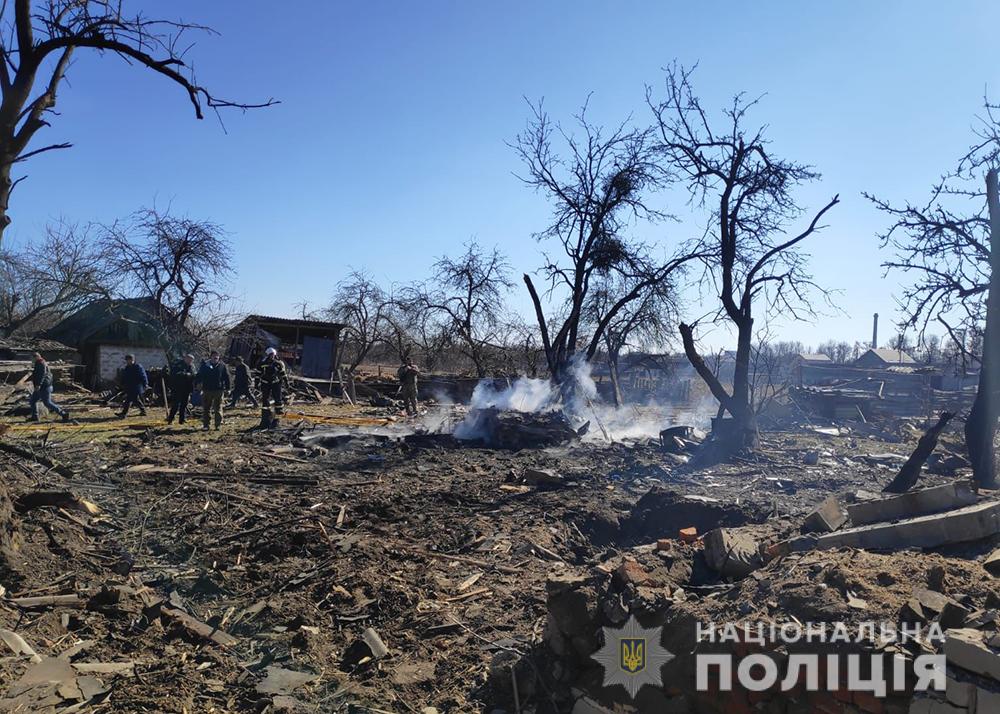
[197,627]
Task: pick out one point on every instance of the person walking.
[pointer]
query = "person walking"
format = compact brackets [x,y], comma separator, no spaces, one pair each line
[242,384]
[272,382]
[213,378]
[182,376]
[134,383]
[41,380]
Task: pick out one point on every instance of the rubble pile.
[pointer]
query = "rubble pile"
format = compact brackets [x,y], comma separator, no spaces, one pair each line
[519,430]
[348,563]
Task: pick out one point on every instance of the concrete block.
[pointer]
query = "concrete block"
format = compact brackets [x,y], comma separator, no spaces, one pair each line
[965,648]
[976,522]
[992,563]
[938,707]
[731,552]
[914,503]
[828,517]
[987,701]
[961,694]
[931,601]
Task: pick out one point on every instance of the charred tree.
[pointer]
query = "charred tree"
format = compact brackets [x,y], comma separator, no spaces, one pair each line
[954,253]
[598,188]
[747,251]
[643,323]
[981,424]
[40,39]
[909,474]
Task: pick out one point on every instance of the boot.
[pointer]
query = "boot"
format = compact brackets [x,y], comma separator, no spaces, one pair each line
[266,418]
[65,415]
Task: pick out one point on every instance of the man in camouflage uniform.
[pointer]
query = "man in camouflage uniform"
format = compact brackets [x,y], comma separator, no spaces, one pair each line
[407,374]
[272,383]
[242,384]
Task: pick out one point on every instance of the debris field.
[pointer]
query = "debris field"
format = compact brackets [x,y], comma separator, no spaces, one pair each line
[353,561]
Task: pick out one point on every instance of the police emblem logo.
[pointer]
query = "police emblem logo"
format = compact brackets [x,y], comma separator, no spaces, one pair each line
[632,656]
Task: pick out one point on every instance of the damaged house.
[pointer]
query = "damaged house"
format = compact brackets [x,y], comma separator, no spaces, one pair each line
[104,331]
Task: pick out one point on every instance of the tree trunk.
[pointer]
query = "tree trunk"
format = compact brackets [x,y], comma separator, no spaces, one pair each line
[742,410]
[5,188]
[980,427]
[745,426]
[910,473]
[616,390]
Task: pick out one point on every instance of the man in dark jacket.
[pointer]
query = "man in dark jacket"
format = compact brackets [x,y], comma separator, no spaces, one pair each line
[181,385]
[41,380]
[242,385]
[213,378]
[134,383]
[272,382]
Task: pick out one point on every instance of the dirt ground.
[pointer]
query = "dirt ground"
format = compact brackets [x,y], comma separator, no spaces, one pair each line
[301,552]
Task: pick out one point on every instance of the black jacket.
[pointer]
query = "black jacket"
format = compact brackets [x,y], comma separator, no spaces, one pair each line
[182,376]
[213,377]
[134,378]
[41,375]
[241,376]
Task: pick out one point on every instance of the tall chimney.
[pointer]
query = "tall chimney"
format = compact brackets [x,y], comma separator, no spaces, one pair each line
[875,332]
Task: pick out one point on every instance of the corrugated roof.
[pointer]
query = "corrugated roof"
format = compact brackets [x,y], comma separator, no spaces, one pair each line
[287,322]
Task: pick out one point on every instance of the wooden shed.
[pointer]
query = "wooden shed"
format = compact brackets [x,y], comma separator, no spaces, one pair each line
[310,346]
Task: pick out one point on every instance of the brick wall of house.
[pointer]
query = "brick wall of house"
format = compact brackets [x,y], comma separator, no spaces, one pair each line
[111,358]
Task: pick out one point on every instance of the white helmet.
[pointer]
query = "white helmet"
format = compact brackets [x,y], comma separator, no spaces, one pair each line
[270,352]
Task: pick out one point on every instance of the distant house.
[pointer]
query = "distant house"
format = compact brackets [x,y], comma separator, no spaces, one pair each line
[104,331]
[882,358]
[812,358]
[312,346]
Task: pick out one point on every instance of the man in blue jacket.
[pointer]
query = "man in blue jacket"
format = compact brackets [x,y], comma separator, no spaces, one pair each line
[134,383]
[213,377]
[41,380]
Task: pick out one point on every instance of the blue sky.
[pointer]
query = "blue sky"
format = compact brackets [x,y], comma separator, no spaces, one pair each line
[388,148]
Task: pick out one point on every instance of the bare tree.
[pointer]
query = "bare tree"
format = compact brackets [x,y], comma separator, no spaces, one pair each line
[749,256]
[771,370]
[520,348]
[38,39]
[642,324]
[46,279]
[181,263]
[427,333]
[597,189]
[839,352]
[468,292]
[951,244]
[363,306]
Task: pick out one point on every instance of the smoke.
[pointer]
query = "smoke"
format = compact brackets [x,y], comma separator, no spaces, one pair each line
[578,399]
[524,395]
